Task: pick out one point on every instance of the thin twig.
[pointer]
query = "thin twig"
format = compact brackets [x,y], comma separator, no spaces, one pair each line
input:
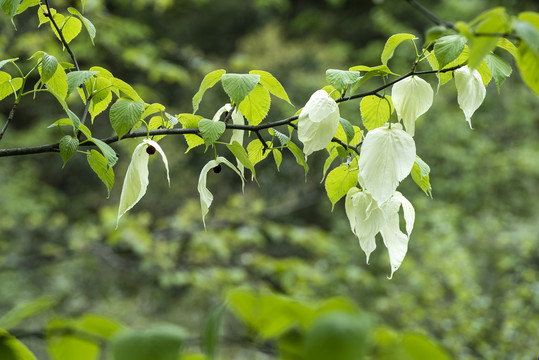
[10,118]
[264,145]
[73,57]
[435,19]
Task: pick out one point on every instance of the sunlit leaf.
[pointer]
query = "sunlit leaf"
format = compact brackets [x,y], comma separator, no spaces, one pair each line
[209,81]
[391,45]
[375,111]
[339,181]
[256,105]
[271,84]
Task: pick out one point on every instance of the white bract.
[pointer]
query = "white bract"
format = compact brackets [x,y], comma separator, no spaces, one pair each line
[471,91]
[237,135]
[136,178]
[387,157]
[318,122]
[367,218]
[412,97]
[206,197]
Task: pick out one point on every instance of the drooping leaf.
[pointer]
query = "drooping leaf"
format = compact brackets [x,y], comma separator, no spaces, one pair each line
[241,154]
[271,84]
[87,23]
[491,21]
[412,97]
[528,33]
[77,78]
[387,157]
[238,86]
[209,81]
[25,4]
[124,114]
[68,147]
[448,48]
[206,197]
[49,64]
[9,7]
[348,129]
[256,105]
[58,82]
[391,45]
[98,163]
[283,139]
[339,181]
[190,121]
[471,91]
[420,175]
[318,122]
[278,157]
[107,151]
[136,178]
[299,155]
[126,89]
[211,130]
[375,111]
[499,68]
[527,59]
[342,79]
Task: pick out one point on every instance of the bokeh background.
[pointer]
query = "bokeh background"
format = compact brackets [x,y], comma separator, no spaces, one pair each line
[470,278]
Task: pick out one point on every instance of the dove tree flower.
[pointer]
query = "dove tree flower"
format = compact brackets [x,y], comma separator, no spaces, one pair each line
[136,179]
[387,157]
[206,197]
[367,218]
[318,122]
[471,91]
[412,97]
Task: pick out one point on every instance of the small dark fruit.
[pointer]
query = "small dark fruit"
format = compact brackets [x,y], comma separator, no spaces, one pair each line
[217,169]
[150,150]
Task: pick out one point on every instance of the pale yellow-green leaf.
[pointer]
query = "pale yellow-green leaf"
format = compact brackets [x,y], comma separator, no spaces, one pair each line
[271,84]
[339,181]
[375,111]
[190,121]
[6,87]
[391,45]
[256,151]
[256,105]
[387,157]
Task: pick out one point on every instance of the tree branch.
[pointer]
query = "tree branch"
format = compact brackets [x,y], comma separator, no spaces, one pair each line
[435,19]
[9,118]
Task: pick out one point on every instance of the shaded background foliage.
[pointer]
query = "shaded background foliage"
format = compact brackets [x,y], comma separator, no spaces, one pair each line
[469,279]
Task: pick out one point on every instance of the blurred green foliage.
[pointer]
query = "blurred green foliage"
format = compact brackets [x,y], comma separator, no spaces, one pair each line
[470,278]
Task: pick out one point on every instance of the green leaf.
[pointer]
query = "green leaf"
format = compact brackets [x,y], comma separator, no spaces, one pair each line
[4,62]
[420,174]
[68,147]
[101,95]
[107,151]
[70,27]
[87,23]
[24,310]
[278,157]
[13,349]
[391,45]
[212,325]
[339,181]
[271,84]
[6,88]
[49,64]
[348,129]
[159,343]
[528,66]
[242,156]
[338,336]
[41,15]
[342,79]
[499,68]
[98,163]
[299,155]
[238,86]
[190,121]
[256,105]
[210,130]
[66,346]
[375,111]
[492,21]
[417,346]
[153,109]
[333,154]
[448,48]
[209,81]
[25,4]
[257,152]
[57,82]
[124,114]
[9,7]
[74,119]
[77,78]
[283,139]
[126,89]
